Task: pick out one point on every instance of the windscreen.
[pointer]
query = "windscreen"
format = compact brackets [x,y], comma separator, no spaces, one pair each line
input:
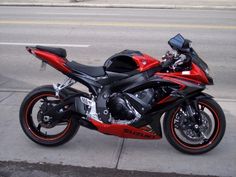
[177,42]
[197,60]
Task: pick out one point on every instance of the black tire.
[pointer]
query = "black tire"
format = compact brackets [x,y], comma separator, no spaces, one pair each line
[30,130]
[214,139]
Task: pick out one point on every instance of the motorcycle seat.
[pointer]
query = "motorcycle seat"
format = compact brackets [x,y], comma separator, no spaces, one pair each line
[57,51]
[94,71]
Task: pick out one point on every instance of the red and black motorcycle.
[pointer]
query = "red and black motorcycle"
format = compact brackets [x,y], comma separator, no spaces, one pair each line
[128,97]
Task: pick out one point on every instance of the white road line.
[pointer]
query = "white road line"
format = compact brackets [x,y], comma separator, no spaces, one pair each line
[63,13]
[44,44]
[80,14]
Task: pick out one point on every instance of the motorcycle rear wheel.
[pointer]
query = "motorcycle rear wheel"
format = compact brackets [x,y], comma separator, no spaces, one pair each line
[217,128]
[32,127]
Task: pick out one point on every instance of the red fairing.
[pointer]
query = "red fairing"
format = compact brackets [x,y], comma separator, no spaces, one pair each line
[145,62]
[124,131]
[54,60]
[195,75]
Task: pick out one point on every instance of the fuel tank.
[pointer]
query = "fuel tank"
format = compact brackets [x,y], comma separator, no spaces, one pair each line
[130,61]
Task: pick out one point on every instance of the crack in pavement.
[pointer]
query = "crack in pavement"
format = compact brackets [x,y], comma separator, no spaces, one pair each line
[10,94]
[119,153]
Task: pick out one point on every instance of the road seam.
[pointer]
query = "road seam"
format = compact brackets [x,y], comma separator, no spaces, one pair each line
[119,153]
[11,93]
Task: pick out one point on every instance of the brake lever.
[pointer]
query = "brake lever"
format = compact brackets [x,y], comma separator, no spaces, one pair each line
[179,62]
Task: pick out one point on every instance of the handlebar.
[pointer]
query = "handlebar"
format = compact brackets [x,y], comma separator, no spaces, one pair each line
[172,60]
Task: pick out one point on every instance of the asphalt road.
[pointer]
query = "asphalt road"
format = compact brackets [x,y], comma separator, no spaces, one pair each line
[90,37]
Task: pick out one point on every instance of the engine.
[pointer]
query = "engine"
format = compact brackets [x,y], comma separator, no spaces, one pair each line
[129,106]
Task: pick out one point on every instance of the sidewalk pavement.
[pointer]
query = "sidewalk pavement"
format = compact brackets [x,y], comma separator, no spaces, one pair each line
[156,4]
[92,149]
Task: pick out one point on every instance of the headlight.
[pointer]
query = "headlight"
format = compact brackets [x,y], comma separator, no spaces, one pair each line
[207,71]
[208,74]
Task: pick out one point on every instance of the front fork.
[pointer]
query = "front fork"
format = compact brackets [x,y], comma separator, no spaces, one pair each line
[193,111]
[195,116]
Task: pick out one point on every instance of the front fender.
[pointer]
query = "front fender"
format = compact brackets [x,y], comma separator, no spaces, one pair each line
[201,95]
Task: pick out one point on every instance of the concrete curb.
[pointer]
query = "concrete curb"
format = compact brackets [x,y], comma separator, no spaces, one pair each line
[137,6]
[23,168]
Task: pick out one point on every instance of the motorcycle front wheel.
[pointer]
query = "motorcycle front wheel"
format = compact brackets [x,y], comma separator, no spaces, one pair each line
[181,132]
[39,128]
